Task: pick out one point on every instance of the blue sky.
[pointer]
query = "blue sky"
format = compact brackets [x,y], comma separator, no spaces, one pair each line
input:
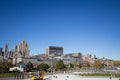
[86,26]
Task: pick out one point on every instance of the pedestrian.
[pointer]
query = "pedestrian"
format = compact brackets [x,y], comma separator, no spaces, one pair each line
[40,75]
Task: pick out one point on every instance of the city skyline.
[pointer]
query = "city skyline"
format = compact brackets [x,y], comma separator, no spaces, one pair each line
[86,26]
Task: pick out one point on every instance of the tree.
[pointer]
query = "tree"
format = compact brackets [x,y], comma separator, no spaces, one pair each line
[98,64]
[80,65]
[60,65]
[116,63]
[4,66]
[43,67]
[70,65]
[29,65]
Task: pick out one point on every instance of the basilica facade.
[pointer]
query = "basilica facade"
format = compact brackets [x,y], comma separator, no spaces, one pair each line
[15,56]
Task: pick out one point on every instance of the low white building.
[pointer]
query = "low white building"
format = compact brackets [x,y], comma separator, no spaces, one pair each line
[32,60]
[26,60]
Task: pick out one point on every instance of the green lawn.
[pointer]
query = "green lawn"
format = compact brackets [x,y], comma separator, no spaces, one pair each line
[116,75]
[6,75]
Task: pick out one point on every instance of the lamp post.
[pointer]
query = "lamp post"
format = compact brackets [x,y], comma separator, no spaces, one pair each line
[51,64]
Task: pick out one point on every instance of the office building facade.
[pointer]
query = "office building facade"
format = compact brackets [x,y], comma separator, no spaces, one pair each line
[54,51]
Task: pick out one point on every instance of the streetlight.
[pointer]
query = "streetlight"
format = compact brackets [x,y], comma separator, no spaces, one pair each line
[51,64]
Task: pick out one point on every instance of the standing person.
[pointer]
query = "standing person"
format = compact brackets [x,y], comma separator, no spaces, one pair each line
[15,74]
[37,74]
[40,75]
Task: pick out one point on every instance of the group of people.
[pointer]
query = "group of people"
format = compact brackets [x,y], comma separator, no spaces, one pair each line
[18,75]
[38,75]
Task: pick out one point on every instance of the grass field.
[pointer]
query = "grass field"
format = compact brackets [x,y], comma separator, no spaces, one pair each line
[6,75]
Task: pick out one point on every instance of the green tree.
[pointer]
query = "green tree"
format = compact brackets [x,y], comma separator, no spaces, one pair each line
[80,65]
[4,66]
[70,65]
[116,63]
[98,64]
[85,65]
[29,65]
[60,65]
[43,67]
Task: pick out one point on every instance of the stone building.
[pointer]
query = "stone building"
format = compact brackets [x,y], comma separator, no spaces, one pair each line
[21,51]
[77,54]
[89,59]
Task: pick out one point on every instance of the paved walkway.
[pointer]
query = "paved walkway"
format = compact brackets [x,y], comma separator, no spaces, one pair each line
[66,77]
[12,78]
[77,77]
[8,78]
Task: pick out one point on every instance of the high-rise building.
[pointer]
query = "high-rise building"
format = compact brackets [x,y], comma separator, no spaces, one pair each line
[1,52]
[54,51]
[6,51]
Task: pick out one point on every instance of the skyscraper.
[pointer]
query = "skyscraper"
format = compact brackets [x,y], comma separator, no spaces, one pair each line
[6,51]
[1,52]
[54,51]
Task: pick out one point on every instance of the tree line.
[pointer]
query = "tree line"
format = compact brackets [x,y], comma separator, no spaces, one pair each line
[4,66]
